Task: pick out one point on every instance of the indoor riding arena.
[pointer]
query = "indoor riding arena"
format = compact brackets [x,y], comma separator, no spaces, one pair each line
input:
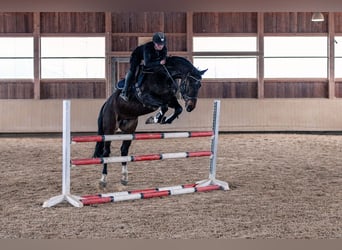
[276,74]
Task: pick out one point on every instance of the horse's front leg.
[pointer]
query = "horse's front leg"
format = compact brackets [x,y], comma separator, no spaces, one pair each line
[178,110]
[158,118]
[124,152]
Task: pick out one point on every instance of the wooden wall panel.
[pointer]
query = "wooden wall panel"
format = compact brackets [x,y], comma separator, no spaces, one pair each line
[127,27]
[137,22]
[174,22]
[338,89]
[228,90]
[338,22]
[207,22]
[284,89]
[124,43]
[293,22]
[16,90]
[73,89]
[16,22]
[176,43]
[72,22]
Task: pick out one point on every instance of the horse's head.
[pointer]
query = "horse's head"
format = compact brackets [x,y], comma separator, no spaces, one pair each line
[189,88]
[181,68]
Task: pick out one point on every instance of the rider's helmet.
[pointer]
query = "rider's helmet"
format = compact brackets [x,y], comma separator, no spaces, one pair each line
[159,38]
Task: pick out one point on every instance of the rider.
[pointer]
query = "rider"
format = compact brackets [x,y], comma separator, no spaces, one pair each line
[152,53]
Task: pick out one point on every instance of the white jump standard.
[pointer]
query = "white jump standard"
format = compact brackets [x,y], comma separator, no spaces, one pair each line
[79,201]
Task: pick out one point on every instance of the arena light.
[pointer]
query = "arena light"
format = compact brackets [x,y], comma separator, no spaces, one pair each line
[317,17]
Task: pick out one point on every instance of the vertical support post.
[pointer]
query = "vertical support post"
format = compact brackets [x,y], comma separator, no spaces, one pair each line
[214,143]
[66,148]
[214,140]
[65,196]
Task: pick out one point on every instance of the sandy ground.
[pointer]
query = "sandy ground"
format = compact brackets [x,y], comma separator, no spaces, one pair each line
[283,186]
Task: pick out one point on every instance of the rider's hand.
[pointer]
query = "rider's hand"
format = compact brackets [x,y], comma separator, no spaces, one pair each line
[163,61]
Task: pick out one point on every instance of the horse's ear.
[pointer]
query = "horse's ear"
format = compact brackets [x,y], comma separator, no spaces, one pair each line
[203,71]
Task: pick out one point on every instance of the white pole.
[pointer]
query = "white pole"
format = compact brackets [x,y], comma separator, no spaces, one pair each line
[214,141]
[65,196]
[66,148]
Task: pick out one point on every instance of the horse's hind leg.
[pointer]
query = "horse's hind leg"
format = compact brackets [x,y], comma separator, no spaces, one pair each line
[108,128]
[98,150]
[127,126]
[106,153]
[124,152]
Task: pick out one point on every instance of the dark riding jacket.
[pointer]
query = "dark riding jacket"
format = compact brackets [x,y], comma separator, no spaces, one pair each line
[148,54]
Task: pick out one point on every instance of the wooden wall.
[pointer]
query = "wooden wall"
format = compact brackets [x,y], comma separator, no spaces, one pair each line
[293,22]
[206,22]
[70,22]
[123,30]
[16,22]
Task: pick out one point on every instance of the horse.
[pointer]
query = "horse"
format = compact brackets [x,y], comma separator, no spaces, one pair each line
[154,90]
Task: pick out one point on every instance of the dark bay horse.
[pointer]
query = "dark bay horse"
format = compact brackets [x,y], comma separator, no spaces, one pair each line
[158,90]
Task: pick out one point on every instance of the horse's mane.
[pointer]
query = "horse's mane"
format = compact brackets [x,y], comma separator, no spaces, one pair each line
[177,60]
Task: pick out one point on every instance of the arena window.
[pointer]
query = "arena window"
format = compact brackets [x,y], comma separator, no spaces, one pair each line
[226,57]
[295,57]
[338,56]
[72,57]
[16,57]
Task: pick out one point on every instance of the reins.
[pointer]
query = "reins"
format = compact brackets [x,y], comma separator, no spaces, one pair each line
[169,75]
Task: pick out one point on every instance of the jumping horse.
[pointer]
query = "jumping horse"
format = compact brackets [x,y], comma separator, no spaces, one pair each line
[156,89]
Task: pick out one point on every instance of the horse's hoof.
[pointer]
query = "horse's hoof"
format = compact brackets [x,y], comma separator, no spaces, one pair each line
[150,120]
[166,121]
[102,184]
[124,182]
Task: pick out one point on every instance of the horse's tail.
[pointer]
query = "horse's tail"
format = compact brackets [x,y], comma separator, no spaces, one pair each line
[100,131]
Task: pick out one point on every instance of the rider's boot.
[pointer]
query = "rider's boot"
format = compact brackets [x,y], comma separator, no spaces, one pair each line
[128,81]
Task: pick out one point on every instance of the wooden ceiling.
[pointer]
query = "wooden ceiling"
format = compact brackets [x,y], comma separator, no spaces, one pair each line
[173,5]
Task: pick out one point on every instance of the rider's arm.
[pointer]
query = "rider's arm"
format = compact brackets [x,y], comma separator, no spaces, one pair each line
[149,61]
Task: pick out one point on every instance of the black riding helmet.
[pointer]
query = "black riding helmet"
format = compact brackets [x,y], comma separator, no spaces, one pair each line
[159,38]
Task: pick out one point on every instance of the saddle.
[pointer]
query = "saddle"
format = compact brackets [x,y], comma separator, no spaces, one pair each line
[139,76]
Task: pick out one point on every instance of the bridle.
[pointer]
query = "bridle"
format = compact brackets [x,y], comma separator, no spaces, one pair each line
[183,85]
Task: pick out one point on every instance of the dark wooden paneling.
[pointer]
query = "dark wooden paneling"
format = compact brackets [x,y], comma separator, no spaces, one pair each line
[293,22]
[16,90]
[73,89]
[228,90]
[124,43]
[338,89]
[207,22]
[137,22]
[338,22]
[16,22]
[175,22]
[296,89]
[72,22]
[129,43]
[176,43]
